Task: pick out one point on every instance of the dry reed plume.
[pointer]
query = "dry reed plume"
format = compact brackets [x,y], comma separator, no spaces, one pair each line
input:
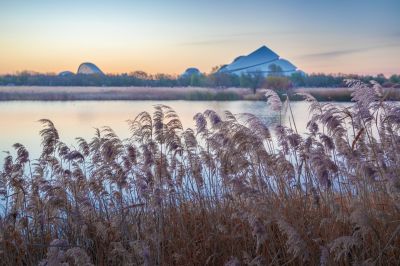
[225,193]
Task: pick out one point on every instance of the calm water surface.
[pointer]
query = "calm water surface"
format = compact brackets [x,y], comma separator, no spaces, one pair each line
[79,118]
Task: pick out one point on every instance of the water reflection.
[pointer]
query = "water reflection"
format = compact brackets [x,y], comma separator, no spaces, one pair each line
[79,118]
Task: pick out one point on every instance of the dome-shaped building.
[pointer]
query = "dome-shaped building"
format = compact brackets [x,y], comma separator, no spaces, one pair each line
[89,69]
[190,72]
[66,74]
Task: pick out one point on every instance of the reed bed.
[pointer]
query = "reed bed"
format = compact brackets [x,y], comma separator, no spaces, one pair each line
[228,192]
[36,93]
[343,94]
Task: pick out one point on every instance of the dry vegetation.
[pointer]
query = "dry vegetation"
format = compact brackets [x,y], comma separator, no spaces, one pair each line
[225,193]
[343,94]
[32,93]
[36,93]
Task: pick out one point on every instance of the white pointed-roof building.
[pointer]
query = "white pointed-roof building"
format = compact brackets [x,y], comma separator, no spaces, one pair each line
[259,61]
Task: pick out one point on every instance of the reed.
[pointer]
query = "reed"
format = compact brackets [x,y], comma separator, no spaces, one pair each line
[342,94]
[228,192]
[10,93]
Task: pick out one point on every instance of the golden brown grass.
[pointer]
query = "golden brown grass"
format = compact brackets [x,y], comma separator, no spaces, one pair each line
[225,193]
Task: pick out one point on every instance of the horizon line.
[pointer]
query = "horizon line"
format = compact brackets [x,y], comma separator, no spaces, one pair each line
[33,72]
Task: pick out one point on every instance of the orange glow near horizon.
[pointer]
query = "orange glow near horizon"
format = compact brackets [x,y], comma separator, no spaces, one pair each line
[170,61]
[158,37]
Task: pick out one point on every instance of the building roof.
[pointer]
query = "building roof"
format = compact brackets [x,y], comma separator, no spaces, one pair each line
[89,68]
[66,73]
[259,61]
[191,71]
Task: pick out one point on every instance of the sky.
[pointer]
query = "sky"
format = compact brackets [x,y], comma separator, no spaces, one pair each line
[346,36]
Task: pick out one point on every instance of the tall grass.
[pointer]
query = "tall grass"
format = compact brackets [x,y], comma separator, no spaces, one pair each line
[343,94]
[224,193]
[121,93]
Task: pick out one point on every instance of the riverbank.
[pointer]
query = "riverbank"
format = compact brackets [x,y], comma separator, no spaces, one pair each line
[119,93]
[28,93]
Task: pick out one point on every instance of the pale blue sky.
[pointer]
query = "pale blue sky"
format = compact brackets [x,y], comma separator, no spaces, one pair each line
[351,36]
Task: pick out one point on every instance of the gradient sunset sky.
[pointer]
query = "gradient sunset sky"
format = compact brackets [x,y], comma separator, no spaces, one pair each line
[348,36]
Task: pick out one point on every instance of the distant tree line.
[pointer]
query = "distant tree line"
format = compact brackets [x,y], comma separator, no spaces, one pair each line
[213,80]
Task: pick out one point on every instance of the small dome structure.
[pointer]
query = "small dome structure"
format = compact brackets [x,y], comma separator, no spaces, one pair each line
[89,69]
[66,73]
[191,71]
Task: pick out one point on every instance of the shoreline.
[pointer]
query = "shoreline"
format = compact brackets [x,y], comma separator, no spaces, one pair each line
[27,93]
[45,93]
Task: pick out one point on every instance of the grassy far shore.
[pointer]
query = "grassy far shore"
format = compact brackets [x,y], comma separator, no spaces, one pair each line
[119,93]
[223,193]
[28,93]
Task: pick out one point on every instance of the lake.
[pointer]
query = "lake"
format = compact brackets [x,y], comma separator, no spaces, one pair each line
[19,119]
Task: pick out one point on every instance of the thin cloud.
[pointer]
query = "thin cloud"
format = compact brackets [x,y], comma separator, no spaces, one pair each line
[337,53]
